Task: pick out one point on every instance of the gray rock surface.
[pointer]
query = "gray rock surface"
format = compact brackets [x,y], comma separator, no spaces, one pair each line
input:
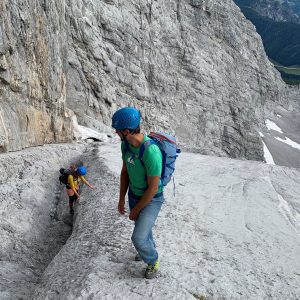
[33,74]
[293,96]
[231,232]
[286,153]
[33,225]
[195,68]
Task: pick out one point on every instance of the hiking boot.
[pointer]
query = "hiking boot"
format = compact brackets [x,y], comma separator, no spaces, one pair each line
[137,258]
[151,271]
[71,211]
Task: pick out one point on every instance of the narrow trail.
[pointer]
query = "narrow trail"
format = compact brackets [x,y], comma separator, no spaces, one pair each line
[32,231]
[101,243]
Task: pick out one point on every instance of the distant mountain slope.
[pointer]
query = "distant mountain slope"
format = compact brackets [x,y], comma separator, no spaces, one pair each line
[294,5]
[280,11]
[281,39]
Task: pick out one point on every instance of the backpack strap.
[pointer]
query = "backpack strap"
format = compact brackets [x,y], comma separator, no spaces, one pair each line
[143,148]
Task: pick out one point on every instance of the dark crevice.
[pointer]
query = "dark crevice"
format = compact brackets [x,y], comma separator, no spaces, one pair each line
[55,234]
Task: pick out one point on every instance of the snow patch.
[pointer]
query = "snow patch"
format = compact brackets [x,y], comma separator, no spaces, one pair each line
[289,142]
[83,133]
[272,126]
[267,154]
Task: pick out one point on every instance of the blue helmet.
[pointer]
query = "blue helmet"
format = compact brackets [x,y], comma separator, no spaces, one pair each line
[126,118]
[81,170]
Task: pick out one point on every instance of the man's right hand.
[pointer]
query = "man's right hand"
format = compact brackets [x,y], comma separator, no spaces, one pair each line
[121,207]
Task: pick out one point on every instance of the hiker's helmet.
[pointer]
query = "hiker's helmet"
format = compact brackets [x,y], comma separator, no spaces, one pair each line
[126,118]
[81,171]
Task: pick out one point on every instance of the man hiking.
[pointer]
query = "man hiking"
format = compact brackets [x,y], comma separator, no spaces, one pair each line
[141,178]
[72,185]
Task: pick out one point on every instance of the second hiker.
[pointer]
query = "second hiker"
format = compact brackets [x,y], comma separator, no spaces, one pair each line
[73,178]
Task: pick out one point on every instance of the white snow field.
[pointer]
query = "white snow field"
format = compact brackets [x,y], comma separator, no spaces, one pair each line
[232,231]
[281,140]
[272,126]
[267,154]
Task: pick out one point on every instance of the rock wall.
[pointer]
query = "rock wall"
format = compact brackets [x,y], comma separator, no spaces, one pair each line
[32,74]
[293,94]
[195,68]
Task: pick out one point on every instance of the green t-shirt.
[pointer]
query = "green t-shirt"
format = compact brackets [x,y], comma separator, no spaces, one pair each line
[137,173]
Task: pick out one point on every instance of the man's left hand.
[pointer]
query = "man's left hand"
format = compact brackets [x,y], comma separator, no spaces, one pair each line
[134,214]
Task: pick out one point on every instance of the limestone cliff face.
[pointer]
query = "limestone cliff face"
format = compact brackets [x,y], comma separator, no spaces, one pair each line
[32,74]
[195,68]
